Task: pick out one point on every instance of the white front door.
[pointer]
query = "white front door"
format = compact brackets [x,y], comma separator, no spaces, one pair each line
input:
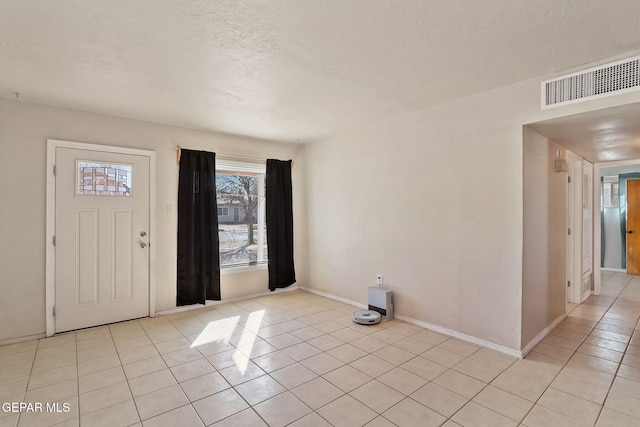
[101,237]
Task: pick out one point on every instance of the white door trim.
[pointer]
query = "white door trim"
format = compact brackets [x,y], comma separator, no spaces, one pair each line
[597,229]
[592,219]
[52,145]
[576,166]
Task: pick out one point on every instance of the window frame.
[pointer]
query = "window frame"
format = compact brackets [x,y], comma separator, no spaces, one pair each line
[610,192]
[224,165]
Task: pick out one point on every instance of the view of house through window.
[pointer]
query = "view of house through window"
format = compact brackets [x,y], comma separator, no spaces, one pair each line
[241,224]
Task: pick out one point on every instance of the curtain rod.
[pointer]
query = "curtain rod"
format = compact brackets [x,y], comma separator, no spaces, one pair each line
[236,156]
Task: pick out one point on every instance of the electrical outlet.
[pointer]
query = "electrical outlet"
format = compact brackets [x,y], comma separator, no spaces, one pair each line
[379,279]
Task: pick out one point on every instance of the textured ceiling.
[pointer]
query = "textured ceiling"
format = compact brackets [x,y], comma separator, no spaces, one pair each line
[288,69]
[610,134]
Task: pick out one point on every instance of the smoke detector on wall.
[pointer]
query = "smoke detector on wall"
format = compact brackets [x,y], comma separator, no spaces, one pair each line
[604,80]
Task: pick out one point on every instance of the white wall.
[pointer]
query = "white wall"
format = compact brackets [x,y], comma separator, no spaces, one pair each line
[544,274]
[454,258]
[24,129]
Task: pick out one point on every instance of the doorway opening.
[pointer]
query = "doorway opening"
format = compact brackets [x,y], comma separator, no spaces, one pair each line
[617,204]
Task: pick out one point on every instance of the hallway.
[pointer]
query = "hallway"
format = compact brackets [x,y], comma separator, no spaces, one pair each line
[593,359]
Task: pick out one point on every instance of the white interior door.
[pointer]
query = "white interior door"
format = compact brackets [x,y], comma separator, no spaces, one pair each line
[574,228]
[570,225]
[101,237]
[587,230]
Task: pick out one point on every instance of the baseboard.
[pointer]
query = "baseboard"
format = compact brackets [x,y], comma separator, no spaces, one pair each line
[214,303]
[22,339]
[461,336]
[615,270]
[546,331]
[334,297]
[430,326]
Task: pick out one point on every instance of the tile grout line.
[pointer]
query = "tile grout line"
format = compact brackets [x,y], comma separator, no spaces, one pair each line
[33,362]
[299,362]
[574,352]
[615,375]
[224,379]
[123,371]
[475,395]
[559,370]
[415,356]
[299,310]
[377,414]
[315,411]
[189,402]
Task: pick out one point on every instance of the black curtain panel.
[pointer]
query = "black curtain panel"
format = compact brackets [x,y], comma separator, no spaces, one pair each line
[279,221]
[198,246]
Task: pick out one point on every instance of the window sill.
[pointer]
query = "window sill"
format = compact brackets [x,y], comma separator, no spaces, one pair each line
[224,271]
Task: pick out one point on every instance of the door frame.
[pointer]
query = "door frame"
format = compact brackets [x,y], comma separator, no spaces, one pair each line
[597,229]
[597,172]
[635,212]
[50,285]
[594,218]
[574,222]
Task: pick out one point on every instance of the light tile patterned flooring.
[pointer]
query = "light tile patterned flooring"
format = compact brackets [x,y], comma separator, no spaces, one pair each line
[297,359]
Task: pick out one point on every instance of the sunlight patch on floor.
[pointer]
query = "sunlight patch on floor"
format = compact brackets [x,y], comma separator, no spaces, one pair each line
[216,330]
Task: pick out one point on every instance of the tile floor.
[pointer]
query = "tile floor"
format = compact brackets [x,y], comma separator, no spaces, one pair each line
[297,359]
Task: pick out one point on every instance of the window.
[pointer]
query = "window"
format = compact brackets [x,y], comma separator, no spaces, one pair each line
[99,179]
[243,237]
[610,189]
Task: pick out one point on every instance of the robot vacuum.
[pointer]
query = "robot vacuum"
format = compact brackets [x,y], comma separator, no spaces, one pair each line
[367,317]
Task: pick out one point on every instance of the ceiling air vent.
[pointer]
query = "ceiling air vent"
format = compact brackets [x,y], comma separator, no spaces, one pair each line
[603,80]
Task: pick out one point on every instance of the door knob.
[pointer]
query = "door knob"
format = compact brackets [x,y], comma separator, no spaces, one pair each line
[143,233]
[143,245]
[630,232]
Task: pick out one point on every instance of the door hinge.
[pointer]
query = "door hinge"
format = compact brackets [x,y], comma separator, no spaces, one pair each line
[54,311]
[568,283]
[568,232]
[54,240]
[54,170]
[569,179]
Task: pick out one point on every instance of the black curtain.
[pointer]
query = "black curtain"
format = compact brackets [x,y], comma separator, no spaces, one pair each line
[198,246]
[279,221]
